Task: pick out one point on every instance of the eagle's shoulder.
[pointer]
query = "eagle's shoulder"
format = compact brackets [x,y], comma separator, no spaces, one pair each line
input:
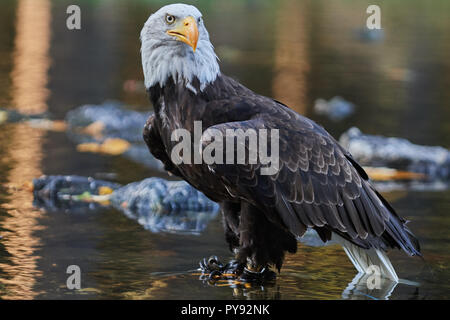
[225,87]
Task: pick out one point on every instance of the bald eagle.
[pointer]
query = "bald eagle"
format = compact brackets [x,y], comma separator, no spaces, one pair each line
[318,185]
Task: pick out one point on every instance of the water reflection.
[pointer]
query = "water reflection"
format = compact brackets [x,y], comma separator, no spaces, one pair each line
[291,55]
[31,56]
[361,284]
[313,273]
[24,150]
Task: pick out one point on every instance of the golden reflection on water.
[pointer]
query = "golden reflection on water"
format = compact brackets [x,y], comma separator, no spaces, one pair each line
[291,60]
[29,78]
[31,61]
[301,276]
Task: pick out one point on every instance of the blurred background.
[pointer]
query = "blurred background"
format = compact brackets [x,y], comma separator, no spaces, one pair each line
[398,80]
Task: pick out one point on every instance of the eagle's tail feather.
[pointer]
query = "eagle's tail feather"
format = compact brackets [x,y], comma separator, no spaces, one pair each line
[362,259]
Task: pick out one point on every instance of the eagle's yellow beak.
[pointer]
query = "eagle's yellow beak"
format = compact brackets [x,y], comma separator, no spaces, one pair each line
[186,31]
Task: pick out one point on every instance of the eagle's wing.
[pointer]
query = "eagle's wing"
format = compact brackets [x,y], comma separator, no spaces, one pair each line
[156,147]
[318,184]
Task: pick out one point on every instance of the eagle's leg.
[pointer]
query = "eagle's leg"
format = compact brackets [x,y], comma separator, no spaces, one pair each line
[212,265]
[262,243]
[256,241]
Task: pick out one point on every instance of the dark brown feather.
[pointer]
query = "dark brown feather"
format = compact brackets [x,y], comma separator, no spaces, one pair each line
[319,184]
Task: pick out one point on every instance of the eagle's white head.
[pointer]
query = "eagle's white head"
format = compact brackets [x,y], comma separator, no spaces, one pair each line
[175,43]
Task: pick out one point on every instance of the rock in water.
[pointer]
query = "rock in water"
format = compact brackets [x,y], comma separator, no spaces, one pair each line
[160,205]
[398,153]
[336,109]
[157,204]
[56,186]
[116,121]
[90,124]
[369,35]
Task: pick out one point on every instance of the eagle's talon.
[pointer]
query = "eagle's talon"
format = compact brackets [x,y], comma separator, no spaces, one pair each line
[257,277]
[213,269]
[234,267]
[213,260]
[211,265]
[215,275]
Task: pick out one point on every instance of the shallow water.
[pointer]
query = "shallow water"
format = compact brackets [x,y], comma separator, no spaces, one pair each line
[299,50]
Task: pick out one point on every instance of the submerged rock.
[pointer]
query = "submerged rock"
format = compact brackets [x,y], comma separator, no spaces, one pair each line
[336,109]
[398,153]
[56,186]
[113,120]
[160,205]
[96,124]
[369,35]
[157,204]
[12,116]
[54,193]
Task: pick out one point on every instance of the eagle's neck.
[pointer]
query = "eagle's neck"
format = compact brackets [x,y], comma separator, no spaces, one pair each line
[180,64]
[175,104]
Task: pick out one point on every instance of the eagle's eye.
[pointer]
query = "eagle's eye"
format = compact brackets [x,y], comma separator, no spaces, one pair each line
[170,19]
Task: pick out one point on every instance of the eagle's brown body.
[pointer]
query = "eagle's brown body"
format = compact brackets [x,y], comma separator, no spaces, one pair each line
[318,185]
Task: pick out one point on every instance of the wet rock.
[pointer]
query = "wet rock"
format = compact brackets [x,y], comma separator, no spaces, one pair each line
[53,193]
[161,205]
[336,109]
[91,127]
[369,35]
[428,185]
[57,186]
[100,123]
[12,116]
[397,153]
[157,204]
[117,121]
[139,153]
[162,196]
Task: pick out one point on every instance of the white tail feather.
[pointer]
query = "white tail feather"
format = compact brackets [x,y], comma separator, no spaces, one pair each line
[362,259]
